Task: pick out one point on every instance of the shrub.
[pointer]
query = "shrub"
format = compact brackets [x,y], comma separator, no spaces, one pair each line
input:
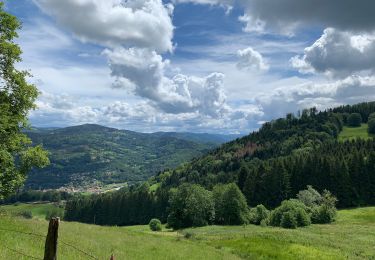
[258,214]
[309,197]
[371,126]
[155,224]
[190,205]
[296,213]
[371,116]
[230,205]
[26,214]
[288,220]
[326,212]
[264,223]
[355,120]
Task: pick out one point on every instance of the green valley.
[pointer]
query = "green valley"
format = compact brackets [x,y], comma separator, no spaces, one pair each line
[93,155]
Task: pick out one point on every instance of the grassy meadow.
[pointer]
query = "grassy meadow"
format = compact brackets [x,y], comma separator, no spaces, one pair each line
[38,210]
[352,236]
[350,133]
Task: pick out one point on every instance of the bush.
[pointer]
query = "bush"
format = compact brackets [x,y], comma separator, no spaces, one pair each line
[26,214]
[264,223]
[355,120]
[288,220]
[309,197]
[323,215]
[155,224]
[296,215]
[230,205]
[190,206]
[326,212]
[258,214]
[371,116]
[371,126]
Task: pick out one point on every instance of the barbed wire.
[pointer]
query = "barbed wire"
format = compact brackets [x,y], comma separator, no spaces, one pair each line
[80,250]
[43,236]
[21,253]
[22,232]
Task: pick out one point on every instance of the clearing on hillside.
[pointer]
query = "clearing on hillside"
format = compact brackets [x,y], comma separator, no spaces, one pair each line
[350,133]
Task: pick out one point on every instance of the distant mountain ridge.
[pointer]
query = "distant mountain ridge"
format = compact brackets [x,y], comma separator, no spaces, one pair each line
[93,154]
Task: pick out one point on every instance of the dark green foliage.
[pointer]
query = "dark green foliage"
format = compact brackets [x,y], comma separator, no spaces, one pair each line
[371,116]
[354,120]
[288,220]
[230,205]
[190,206]
[17,97]
[35,196]
[371,126]
[134,206]
[259,214]
[155,224]
[81,154]
[326,211]
[53,213]
[291,214]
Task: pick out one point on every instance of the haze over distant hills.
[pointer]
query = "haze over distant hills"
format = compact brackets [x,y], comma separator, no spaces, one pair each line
[88,154]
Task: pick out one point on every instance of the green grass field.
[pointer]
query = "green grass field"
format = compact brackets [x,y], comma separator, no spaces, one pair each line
[350,133]
[352,236]
[39,210]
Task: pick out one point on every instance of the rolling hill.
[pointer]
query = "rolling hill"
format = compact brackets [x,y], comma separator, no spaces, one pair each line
[90,155]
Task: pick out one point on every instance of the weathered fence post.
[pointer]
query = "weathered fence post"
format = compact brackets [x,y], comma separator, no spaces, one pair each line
[50,249]
[112,257]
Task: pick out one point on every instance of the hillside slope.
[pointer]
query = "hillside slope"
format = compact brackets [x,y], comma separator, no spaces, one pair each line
[352,236]
[90,154]
[287,154]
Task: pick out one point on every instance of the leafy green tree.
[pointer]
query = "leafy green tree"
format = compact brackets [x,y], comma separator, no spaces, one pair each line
[371,126]
[155,224]
[190,206]
[230,205]
[355,119]
[259,214]
[17,98]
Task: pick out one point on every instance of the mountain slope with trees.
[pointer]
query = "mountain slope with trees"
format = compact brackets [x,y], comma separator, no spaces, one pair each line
[89,154]
[269,166]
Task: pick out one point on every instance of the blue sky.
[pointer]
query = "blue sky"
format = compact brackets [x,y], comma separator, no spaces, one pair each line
[218,66]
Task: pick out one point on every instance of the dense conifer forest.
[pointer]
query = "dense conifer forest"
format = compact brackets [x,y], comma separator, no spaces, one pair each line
[269,166]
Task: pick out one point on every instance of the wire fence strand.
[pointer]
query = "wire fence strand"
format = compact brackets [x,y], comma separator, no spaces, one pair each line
[21,253]
[43,236]
[22,232]
[80,250]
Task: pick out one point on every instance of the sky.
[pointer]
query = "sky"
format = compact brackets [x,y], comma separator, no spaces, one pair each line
[215,66]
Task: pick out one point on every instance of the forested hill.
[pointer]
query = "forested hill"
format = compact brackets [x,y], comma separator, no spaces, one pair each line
[327,150]
[89,154]
[289,153]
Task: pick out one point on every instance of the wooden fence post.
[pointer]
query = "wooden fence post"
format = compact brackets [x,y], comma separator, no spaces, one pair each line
[112,257]
[50,249]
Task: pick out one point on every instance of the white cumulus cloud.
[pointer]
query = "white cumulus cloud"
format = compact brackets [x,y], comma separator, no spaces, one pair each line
[251,60]
[339,53]
[140,23]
